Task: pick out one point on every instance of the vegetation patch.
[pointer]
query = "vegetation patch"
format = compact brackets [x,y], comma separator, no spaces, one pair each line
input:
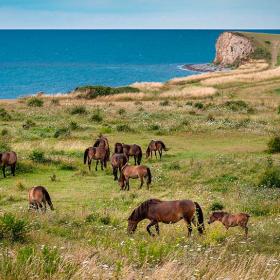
[78,110]
[274,145]
[4,115]
[35,102]
[270,178]
[236,105]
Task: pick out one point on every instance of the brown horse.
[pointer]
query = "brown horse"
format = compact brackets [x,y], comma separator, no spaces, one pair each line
[38,199]
[8,159]
[134,172]
[103,142]
[98,154]
[133,150]
[118,148]
[154,146]
[231,220]
[118,161]
[168,212]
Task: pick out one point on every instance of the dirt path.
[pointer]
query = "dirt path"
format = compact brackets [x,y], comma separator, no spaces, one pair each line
[274,52]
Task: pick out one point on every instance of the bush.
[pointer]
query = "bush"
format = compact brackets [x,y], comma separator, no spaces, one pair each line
[4,147]
[54,101]
[37,156]
[261,53]
[121,111]
[35,102]
[28,123]
[97,117]
[174,166]
[123,128]
[4,132]
[73,125]
[78,110]
[4,115]
[12,228]
[61,132]
[164,103]
[199,105]
[91,92]
[270,178]
[51,259]
[237,105]
[274,145]
[216,206]
[154,127]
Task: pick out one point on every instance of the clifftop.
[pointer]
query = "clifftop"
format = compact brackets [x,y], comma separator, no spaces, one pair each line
[234,48]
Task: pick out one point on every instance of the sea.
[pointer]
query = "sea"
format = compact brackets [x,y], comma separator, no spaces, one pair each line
[58,61]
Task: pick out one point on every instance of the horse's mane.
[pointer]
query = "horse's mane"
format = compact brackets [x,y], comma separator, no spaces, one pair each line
[140,211]
[97,142]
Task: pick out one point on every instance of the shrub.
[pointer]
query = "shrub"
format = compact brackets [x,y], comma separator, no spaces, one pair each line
[123,128]
[12,228]
[28,123]
[91,218]
[37,156]
[216,206]
[105,220]
[154,127]
[78,110]
[164,103]
[97,117]
[51,259]
[274,145]
[121,111]
[61,132]
[4,115]
[199,105]
[237,105]
[189,103]
[4,147]
[4,132]
[261,53]
[91,92]
[270,178]
[54,101]
[35,102]
[174,166]
[73,125]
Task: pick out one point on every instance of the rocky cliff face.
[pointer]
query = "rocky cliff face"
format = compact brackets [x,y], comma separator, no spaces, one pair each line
[232,49]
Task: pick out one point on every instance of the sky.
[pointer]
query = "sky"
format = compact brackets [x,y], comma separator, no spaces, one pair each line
[139,14]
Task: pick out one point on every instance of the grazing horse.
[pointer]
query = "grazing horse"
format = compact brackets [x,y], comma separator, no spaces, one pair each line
[118,161]
[231,220]
[118,148]
[103,143]
[134,172]
[133,150]
[168,212]
[8,159]
[38,199]
[154,146]
[98,154]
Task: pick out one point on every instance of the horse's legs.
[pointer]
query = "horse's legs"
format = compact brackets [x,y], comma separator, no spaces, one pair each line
[246,231]
[44,209]
[3,169]
[101,162]
[115,173]
[160,153]
[152,223]
[189,225]
[13,169]
[156,153]
[127,184]
[96,165]
[89,165]
[134,160]
[142,181]
[157,228]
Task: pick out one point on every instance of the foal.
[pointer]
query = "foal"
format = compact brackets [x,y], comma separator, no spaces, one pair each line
[38,199]
[8,159]
[231,220]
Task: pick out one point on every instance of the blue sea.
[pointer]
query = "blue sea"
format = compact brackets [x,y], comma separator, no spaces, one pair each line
[57,61]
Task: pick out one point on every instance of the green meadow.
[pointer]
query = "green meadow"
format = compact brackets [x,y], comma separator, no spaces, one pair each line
[218,156]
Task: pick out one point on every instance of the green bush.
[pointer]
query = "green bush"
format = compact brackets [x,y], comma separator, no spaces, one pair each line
[62,132]
[237,105]
[270,178]
[274,145]
[121,111]
[261,53]
[199,105]
[37,156]
[73,125]
[154,127]
[123,128]
[97,116]
[12,228]
[4,146]
[216,206]
[4,115]
[35,102]
[4,132]
[90,92]
[78,110]
[51,259]
[28,123]
[164,103]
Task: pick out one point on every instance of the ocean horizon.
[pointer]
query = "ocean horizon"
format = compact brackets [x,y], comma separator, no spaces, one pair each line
[58,61]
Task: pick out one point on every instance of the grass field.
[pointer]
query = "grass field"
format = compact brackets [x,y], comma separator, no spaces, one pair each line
[218,155]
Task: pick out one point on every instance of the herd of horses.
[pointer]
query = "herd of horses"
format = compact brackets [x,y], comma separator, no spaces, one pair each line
[155,210]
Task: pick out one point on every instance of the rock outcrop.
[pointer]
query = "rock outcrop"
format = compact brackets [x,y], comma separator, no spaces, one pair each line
[232,49]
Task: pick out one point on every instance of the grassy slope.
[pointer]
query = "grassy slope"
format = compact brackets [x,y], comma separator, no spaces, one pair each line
[216,155]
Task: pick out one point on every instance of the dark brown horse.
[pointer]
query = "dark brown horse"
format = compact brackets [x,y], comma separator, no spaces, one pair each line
[118,148]
[8,159]
[231,220]
[118,161]
[134,172]
[155,146]
[168,212]
[103,142]
[38,198]
[98,154]
[133,150]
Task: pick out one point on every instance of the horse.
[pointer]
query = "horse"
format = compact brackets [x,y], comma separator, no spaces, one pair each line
[134,172]
[103,142]
[38,198]
[168,212]
[133,150]
[117,162]
[154,146]
[118,148]
[8,159]
[231,220]
[96,153]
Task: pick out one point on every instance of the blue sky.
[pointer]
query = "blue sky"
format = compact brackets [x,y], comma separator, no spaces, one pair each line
[93,14]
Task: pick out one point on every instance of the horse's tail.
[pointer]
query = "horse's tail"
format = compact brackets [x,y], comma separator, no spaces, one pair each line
[139,157]
[200,219]
[149,181]
[163,146]
[48,199]
[86,155]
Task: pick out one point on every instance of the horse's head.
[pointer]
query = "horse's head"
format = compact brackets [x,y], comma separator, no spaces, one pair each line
[215,216]
[132,226]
